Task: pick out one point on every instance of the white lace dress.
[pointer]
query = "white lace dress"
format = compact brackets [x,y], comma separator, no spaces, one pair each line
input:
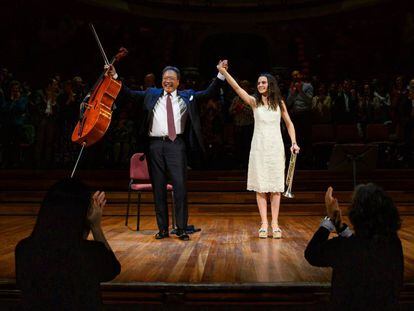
[266,171]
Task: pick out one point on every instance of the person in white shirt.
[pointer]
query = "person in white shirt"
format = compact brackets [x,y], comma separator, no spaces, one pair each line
[171,122]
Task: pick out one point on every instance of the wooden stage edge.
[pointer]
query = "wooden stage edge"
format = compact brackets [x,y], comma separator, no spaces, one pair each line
[177,296]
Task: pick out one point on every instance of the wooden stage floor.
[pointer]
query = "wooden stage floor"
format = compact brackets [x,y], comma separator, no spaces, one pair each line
[223,267]
[227,250]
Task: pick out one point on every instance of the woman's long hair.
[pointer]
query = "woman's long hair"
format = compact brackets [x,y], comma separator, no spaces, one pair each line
[274,95]
[373,213]
[62,219]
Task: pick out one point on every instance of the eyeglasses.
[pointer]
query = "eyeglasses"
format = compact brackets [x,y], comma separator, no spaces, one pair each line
[169,79]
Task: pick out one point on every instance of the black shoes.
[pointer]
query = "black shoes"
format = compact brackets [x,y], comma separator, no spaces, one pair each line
[182,235]
[162,234]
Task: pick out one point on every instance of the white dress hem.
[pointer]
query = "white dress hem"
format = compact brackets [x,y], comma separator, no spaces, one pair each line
[265,189]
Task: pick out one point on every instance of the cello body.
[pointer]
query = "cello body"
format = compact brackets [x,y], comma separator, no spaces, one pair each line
[96,108]
[98,113]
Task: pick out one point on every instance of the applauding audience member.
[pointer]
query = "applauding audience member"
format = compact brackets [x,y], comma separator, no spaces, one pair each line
[368,264]
[57,268]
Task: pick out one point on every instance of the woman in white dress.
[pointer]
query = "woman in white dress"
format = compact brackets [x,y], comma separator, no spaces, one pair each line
[266,172]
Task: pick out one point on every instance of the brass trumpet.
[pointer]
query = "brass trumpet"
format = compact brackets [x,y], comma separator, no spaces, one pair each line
[289,177]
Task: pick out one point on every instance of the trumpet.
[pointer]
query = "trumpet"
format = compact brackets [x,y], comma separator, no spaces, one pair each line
[289,177]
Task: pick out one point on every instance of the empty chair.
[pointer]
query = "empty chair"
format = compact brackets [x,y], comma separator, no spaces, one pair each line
[140,182]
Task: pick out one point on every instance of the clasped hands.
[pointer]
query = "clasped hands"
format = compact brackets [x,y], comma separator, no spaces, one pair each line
[223,65]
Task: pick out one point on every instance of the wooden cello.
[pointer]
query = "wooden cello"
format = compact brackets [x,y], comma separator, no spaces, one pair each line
[96,108]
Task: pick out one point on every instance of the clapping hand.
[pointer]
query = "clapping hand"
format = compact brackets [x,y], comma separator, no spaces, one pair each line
[332,207]
[97,205]
[298,86]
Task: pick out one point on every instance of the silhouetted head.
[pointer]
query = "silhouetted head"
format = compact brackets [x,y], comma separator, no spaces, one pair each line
[411,85]
[62,218]
[67,86]
[373,212]
[149,80]
[399,82]
[15,89]
[245,85]
[322,90]
[296,76]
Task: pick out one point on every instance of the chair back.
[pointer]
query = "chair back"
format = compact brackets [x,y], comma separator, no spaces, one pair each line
[138,168]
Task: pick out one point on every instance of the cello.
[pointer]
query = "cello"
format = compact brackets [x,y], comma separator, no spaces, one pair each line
[96,107]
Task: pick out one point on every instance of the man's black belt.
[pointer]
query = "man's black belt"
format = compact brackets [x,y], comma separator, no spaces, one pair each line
[164,137]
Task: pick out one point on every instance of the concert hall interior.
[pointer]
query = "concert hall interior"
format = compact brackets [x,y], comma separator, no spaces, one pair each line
[74,106]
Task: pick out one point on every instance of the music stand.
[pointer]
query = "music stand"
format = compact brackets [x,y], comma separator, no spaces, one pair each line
[359,157]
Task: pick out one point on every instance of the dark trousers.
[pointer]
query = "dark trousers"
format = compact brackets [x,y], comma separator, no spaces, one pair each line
[167,158]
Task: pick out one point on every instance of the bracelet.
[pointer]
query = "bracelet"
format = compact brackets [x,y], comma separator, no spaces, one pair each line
[294,144]
[328,224]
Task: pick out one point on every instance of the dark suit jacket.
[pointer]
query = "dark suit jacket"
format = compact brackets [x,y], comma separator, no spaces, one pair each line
[193,127]
[367,274]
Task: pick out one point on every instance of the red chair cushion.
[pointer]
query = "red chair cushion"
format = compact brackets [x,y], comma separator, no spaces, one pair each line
[141,187]
[147,187]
